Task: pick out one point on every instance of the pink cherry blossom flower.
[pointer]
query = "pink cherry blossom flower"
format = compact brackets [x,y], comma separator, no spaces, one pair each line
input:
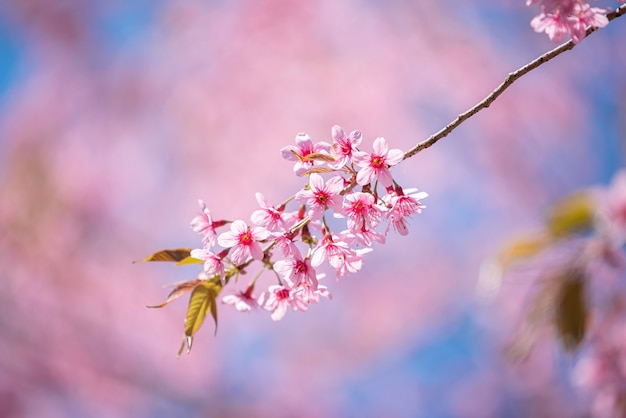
[286,245]
[343,146]
[407,203]
[556,26]
[602,369]
[278,299]
[243,301]
[203,225]
[558,18]
[377,163]
[296,271]
[244,241]
[589,16]
[213,264]
[304,147]
[363,237]
[334,251]
[310,295]
[361,211]
[268,216]
[611,209]
[402,206]
[350,263]
[566,5]
[319,195]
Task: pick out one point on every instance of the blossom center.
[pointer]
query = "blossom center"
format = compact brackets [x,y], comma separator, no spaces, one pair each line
[322,198]
[300,267]
[377,161]
[246,238]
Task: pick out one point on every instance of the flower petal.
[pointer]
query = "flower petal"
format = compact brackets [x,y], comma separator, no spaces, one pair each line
[365,175]
[380,146]
[316,182]
[394,156]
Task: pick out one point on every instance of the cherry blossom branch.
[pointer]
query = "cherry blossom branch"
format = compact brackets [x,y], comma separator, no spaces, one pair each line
[508,81]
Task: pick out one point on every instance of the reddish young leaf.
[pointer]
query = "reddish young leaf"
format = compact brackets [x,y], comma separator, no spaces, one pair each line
[318,157]
[179,290]
[298,156]
[317,170]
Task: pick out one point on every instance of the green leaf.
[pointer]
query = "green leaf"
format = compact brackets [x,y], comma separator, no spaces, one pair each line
[189,260]
[187,341]
[202,300]
[572,215]
[179,290]
[522,248]
[176,254]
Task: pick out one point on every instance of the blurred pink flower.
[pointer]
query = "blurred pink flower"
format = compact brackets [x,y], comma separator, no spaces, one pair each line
[555,25]
[560,18]
[602,369]
[612,209]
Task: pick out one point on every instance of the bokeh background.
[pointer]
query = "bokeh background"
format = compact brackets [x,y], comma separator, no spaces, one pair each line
[116,116]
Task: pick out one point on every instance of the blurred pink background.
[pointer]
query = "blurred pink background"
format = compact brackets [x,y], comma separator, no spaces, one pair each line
[115,117]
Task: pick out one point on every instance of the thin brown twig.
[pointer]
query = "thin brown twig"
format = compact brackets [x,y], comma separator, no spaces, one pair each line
[508,81]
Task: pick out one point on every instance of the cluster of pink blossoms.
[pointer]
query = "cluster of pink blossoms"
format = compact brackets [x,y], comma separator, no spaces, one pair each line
[560,18]
[601,370]
[294,244]
[588,311]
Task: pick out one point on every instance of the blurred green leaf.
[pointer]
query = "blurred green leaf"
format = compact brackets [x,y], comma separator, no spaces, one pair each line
[572,313]
[179,290]
[561,302]
[176,254]
[572,215]
[522,248]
